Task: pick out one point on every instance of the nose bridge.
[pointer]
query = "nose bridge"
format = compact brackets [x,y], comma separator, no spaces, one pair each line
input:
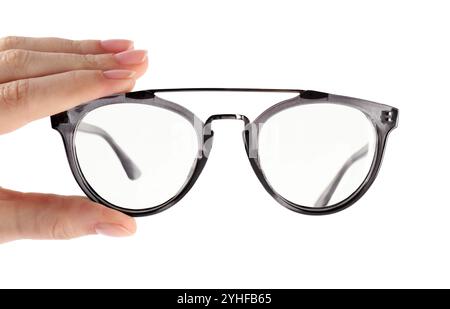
[226,116]
[208,134]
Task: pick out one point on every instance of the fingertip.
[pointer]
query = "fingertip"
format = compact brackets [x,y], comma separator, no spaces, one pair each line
[129,223]
[117,81]
[119,74]
[85,217]
[112,230]
[141,69]
[111,218]
[116,45]
[48,216]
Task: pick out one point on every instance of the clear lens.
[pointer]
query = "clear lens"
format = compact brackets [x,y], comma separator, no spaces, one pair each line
[316,155]
[134,155]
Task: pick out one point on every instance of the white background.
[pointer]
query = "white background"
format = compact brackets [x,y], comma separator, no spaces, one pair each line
[228,232]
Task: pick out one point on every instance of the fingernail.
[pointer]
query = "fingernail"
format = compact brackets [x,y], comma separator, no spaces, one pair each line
[131,57]
[113,230]
[119,74]
[115,46]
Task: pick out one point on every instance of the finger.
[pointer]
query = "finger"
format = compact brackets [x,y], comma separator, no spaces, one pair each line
[25,100]
[58,45]
[47,216]
[20,63]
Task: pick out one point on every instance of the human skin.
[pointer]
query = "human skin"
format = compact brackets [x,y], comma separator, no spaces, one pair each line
[44,76]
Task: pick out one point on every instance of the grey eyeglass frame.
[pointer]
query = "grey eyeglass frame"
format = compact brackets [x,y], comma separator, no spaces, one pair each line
[384,118]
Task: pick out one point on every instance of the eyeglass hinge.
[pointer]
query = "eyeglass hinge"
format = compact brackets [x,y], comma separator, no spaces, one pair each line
[58,119]
[389,116]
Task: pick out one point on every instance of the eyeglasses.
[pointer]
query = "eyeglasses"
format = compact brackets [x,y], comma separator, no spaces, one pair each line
[140,153]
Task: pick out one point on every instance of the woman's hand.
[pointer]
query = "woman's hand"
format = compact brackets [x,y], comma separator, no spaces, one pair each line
[43,76]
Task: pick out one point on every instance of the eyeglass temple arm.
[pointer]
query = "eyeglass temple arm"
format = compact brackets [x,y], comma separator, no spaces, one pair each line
[133,172]
[326,195]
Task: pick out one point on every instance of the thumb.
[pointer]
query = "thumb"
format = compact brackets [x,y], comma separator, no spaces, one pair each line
[48,216]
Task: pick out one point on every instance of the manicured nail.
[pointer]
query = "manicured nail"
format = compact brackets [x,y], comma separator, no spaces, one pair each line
[113,230]
[119,74]
[115,46]
[131,57]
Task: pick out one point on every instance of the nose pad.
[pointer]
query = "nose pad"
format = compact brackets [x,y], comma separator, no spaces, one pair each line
[245,138]
[227,116]
[250,138]
[208,139]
